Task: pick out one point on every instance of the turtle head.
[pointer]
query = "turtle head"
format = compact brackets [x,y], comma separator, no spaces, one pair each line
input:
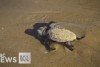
[51,24]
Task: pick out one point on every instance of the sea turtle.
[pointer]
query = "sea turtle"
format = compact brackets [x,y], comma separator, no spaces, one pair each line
[53,32]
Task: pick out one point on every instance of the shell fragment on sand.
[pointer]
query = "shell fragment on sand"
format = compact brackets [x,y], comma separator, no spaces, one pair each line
[61,35]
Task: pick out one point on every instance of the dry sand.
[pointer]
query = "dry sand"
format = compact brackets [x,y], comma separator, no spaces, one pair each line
[81,16]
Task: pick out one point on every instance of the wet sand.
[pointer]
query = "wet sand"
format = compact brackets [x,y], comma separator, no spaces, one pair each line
[80,16]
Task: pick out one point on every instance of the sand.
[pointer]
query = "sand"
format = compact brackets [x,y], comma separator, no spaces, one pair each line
[80,16]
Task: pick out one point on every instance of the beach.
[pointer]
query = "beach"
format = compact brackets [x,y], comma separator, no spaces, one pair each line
[80,16]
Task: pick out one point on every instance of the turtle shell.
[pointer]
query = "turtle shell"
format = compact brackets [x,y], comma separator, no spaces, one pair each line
[61,35]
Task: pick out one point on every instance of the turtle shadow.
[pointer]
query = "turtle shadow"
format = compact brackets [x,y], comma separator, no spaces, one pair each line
[33,32]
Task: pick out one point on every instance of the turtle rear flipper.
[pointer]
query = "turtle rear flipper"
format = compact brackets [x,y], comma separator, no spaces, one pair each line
[69,46]
[79,38]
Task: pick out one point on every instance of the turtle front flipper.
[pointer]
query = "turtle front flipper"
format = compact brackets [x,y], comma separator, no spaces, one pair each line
[47,43]
[69,46]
